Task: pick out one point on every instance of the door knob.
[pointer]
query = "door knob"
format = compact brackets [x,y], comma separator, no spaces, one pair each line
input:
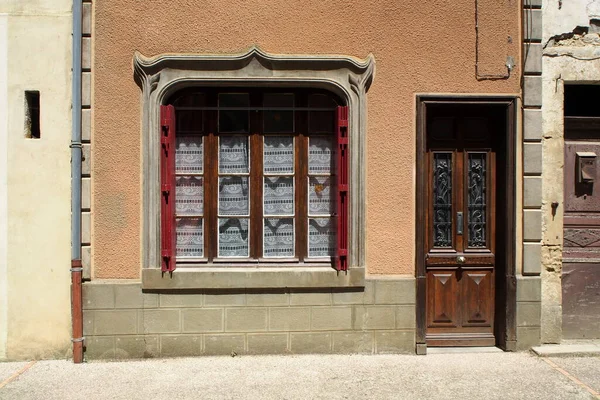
[460,259]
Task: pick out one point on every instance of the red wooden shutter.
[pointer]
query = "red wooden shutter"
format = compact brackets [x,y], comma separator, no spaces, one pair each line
[341,259]
[167,181]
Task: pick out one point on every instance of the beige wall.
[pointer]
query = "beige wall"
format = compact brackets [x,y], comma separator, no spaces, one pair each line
[37,259]
[419,47]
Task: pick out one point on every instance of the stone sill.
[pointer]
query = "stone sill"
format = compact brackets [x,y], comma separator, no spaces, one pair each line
[251,278]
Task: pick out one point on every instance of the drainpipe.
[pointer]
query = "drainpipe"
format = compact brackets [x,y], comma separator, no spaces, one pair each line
[76,156]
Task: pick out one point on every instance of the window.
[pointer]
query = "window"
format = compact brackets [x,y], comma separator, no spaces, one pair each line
[254,176]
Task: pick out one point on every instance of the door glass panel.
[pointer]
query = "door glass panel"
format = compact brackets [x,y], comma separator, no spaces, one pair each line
[442,200]
[476,199]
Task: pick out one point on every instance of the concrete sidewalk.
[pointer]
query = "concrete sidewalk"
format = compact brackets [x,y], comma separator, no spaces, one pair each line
[435,376]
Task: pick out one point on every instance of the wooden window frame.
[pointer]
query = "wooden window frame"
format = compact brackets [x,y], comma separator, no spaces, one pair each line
[160,76]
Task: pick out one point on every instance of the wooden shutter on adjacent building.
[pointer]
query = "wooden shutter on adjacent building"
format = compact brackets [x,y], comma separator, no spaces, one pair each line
[341,258]
[167,181]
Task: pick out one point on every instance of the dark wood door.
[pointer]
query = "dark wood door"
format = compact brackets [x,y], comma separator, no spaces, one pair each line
[461,227]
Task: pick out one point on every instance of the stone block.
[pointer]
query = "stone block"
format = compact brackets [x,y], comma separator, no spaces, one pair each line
[160,321]
[97,296]
[224,298]
[99,347]
[353,342]
[289,319]
[192,300]
[532,191]
[532,4]
[86,89]
[86,193]
[86,160]
[529,314]
[406,317]
[532,25]
[86,262]
[86,125]
[246,319]
[527,337]
[395,342]
[136,346]
[203,320]
[364,295]
[532,225]
[131,296]
[374,317]
[529,289]
[270,298]
[312,298]
[86,53]
[532,258]
[310,343]
[331,318]
[532,53]
[88,322]
[180,345]
[400,291]
[552,317]
[86,20]
[267,343]
[223,344]
[86,227]
[532,91]
[532,124]
[115,322]
[532,158]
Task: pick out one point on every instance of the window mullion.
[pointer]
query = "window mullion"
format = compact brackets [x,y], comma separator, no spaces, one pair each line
[256,177]
[301,183]
[212,191]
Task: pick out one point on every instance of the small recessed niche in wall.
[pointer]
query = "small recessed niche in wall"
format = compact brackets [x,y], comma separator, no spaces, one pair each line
[582,100]
[32,114]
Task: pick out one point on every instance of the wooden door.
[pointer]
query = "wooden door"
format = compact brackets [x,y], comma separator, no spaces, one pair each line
[460,235]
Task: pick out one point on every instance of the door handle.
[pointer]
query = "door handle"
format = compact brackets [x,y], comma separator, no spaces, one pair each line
[459,223]
[460,260]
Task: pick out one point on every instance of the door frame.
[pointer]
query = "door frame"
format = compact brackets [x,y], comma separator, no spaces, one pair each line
[506,294]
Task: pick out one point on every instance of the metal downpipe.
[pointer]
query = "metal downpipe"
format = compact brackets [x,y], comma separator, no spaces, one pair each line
[76,156]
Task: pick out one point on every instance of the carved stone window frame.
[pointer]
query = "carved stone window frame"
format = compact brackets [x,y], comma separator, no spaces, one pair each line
[160,76]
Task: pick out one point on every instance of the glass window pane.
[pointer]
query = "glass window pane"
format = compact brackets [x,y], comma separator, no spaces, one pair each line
[189,121]
[278,237]
[321,237]
[233,120]
[190,239]
[196,99]
[321,121]
[234,156]
[278,155]
[189,154]
[189,195]
[320,155]
[278,196]
[278,121]
[233,237]
[319,195]
[234,195]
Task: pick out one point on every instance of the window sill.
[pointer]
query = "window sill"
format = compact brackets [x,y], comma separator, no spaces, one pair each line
[252,278]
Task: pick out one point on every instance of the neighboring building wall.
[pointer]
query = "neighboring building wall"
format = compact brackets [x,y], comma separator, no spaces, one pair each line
[565,61]
[413,56]
[35,54]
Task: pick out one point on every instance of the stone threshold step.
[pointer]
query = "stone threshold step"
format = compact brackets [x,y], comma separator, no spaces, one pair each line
[568,350]
[460,350]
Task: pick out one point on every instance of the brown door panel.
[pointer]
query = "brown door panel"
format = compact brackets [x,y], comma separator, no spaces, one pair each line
[477,294]
[441,303]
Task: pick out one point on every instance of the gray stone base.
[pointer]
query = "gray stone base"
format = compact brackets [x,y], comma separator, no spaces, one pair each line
[120,321]
[529,308]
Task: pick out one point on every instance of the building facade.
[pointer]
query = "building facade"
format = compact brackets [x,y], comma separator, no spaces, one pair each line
[273,178]
[35,100]
[570,134]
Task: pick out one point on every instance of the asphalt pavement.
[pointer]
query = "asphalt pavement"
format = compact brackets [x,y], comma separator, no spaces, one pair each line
[435,376]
